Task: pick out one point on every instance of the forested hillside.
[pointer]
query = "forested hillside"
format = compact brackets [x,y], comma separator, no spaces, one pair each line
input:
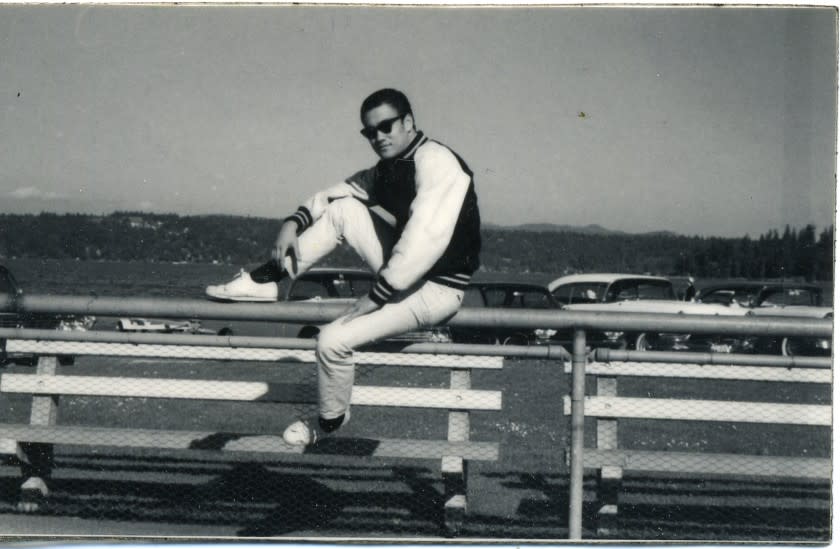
[129,236]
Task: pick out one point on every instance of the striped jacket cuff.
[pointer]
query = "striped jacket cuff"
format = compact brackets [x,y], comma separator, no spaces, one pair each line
[302,217]
[381,292]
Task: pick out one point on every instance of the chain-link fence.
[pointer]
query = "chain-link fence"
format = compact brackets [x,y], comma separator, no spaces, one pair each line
[135,437]
[717,451]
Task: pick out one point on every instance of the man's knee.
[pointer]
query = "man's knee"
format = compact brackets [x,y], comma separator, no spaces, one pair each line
[345,209]
[331,347]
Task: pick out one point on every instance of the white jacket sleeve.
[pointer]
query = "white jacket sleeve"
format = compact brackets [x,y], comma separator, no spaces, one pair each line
[441,188]
[358,185]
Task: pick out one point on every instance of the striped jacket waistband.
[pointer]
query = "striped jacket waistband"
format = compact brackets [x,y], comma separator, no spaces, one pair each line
[382,292]
[458,280]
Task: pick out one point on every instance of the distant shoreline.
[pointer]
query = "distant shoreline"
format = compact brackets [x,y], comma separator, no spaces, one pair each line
[794,254]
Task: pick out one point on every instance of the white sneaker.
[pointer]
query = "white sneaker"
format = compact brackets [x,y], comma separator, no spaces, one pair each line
[305,432]
[243,288]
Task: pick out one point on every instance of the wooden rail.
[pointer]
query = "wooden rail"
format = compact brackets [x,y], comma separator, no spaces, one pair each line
[608,409]
[33,442]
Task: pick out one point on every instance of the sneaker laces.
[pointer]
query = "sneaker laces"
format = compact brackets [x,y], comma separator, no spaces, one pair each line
[315,432]
[304,424]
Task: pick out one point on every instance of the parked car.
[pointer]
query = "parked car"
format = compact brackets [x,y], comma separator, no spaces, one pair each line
[591,288]
[610,292]
[506,295]
[160,326]
[777,298]
[13,319]
[782,299]
[332,285]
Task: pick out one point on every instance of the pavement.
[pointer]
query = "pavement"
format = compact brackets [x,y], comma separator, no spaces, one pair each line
[164,499]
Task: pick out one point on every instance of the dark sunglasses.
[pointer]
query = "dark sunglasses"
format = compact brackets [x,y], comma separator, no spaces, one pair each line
[384,127]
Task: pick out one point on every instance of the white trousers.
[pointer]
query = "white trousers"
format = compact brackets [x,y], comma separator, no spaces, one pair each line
[424,304]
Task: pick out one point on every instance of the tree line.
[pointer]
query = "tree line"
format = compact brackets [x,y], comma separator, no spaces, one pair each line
[135,236]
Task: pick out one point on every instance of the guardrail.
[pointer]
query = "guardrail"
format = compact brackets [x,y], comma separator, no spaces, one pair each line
[474,317]
[579,321]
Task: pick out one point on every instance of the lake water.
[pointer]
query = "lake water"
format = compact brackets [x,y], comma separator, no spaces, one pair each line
[184,280]
[141,279]
[111,278]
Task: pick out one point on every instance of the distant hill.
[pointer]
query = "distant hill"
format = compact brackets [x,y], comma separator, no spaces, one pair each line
[555,228]
[529,248]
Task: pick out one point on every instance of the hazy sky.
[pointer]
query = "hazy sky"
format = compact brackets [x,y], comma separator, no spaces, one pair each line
[714,121]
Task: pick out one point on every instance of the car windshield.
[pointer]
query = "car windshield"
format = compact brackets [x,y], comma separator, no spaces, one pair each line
[582,292]
[518,298]
[7,285]
[641,289]
[727,296]
[473,297]
[789,296]
[330,285]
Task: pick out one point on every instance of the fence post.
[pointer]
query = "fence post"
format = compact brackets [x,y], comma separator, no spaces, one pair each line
[576,454]
[454,468]
[37,466]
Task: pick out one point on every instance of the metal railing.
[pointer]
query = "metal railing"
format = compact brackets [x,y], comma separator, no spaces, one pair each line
[473,317]
[579,322]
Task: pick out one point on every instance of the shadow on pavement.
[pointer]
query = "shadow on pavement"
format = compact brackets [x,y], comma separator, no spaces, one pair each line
[308,497]
[257,499]
[662,508]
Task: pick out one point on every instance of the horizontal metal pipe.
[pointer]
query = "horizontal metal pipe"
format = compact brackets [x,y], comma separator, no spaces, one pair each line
[613,355]
[554,352]
[96,336]
[548,352]
[475,317]
[170,308]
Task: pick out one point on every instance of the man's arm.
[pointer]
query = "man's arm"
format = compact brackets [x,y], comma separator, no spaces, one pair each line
[357,186]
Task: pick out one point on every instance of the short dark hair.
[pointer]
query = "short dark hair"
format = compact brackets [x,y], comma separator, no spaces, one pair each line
[395,98]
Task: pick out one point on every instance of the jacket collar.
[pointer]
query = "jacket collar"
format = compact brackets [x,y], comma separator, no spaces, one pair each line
[415,144]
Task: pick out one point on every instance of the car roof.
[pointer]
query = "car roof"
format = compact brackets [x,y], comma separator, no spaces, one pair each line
[607,278]
[758,285]
[337,270]
[509,285]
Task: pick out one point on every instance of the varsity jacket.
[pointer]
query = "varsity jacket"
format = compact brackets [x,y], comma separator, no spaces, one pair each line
[430,192]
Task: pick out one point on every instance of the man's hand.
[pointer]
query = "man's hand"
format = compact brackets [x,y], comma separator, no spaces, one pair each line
[362,306]
[286,238]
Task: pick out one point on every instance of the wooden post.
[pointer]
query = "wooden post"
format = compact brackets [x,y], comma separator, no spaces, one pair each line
[609,478]
[36,468]
[454,468]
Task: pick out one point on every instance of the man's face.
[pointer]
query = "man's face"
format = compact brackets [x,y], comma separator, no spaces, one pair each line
[388,133]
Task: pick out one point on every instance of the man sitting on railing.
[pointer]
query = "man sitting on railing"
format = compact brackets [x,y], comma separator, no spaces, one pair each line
[424,260]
